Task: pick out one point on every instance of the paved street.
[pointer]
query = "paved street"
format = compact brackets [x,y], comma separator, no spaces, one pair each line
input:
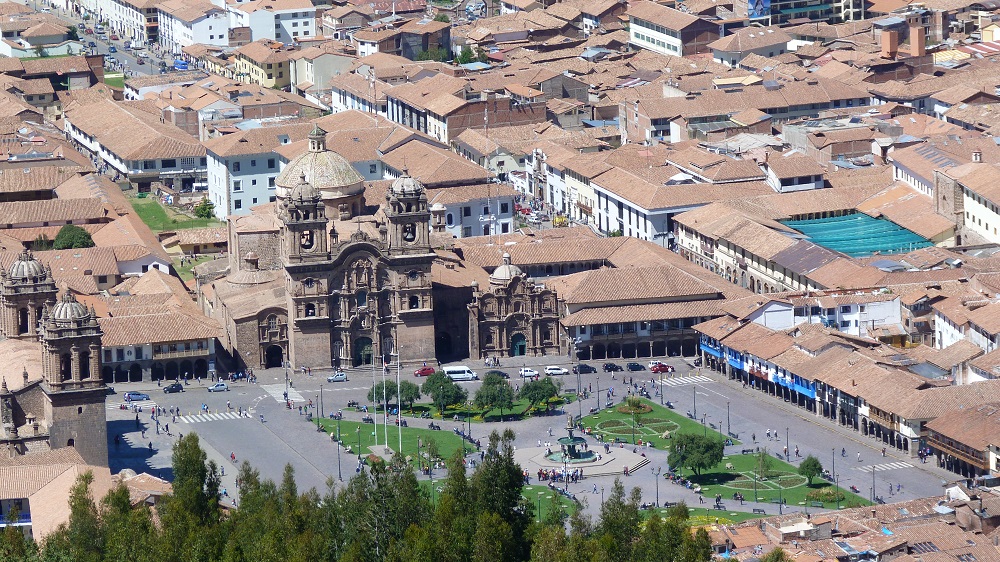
[285,437]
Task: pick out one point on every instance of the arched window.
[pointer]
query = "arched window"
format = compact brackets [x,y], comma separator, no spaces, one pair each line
[306,240]
[414,302]
[362,298]
[450,219]
[310,310]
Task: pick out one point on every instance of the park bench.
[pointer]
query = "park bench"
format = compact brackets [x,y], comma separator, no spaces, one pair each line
[816,504]
[719,507]
[668,505]
[758,511]
[775,500]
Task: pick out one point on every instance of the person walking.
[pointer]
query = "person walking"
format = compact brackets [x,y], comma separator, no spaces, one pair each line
[859,456]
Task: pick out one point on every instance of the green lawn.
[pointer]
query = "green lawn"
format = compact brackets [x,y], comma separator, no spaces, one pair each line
[115,81]
[447,442]
[650,427]
[793,488]
[159,218]
[550,499]
[185,270]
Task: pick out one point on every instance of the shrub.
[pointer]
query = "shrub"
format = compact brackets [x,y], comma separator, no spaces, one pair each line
[828,494]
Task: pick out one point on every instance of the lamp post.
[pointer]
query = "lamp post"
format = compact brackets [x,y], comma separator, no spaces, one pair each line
[565,472]
[317,403]
[694,392]
[598,396]
[661,385]
[286,380]
[833,457]
[540,494]
[359,443]
[340,475]
[729,429]
[579,383]
[656,478]
[704,423]
[602,495]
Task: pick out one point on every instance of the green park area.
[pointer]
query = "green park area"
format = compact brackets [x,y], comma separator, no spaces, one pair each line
[654,424]
[115,80]
[160,218]
[434,445]
[185,269]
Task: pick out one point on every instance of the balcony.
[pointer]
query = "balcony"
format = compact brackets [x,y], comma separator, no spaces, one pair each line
[958,453]
[180,353]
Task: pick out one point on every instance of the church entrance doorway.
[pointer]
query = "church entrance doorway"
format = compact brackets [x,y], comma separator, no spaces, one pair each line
[363,352]
[518,345]
[274,357]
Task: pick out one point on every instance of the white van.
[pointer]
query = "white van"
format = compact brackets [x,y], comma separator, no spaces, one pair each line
[461,373]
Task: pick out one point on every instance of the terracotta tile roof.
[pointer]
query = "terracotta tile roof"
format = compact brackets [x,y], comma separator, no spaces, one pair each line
[53,210]
[718,328]
[257,141]
[198,236]
[935,402]
[188,10]
[129,230]
[169,325]
[637,283]
[986,317]
[466,193]
[643,312]
[44,29]
[23,235]
[791,166]
[750,38]
[34,178]
[22,355]
[131,133]
[904,206]
[955,354]
[270,5]
[757,340]
[432,165]
[94,186]
[661,15]
[56,65]
[265,51]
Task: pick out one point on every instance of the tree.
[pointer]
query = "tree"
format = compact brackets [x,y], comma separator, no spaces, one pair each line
[73,32]
[434,54]
[466,56]
[41,243]
[777,555]
[536,392]
[72,236]
[810,468]
[698,452]
[442,17]
[620,519]
[205,209]
[375,394]
[443,391]
[408,394]
[763,463]
[494,393]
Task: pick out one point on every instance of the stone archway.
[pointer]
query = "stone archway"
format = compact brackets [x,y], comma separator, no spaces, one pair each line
[443,344]
[599,351]
[135,373]
[518,345]
[172,371]
[614,351]
[187,369]
[107,375]
[156,372]
[201,368]
[364,353]
[121,374]
[659,348]
[274,356]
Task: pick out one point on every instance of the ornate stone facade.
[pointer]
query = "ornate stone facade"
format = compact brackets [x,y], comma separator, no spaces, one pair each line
[513,317]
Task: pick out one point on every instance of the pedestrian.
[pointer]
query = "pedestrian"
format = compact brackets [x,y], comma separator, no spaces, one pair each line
[143,433]
[550,432]
[754,437]
[898,487]
[859,456]
[150,445]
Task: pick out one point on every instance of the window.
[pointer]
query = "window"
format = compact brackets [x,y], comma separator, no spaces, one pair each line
[237,185]
[504,208]
[236,166]
[310,310]
[270,76]
[107,355]
[253,163]
[504,227]
[119,354]
[372,168]
[170,163]
[414,302]
[295,24]
[238,204]
[486,211]
[270,163]
[583,330]
[466,211]
[203,161]
[270,182]
[467,231]
[845,323]
[362,299]
[845,309]
[450,219]
[254,200]
[151,165]
[29,98]
[253,182]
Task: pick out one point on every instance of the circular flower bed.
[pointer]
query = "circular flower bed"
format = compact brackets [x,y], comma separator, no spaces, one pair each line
[642,409]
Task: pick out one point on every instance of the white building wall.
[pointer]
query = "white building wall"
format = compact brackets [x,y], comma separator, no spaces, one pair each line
[654,38]
[236,184]
[946,332]
[981,217]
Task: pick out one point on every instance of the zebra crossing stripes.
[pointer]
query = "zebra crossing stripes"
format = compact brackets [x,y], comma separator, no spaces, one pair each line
[145,405]
[201,418]
[680,381]
[885,466]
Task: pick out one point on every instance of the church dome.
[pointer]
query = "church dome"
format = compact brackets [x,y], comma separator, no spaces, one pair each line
[327,171]
[303,191]
[405,186]
[26,267]
[68,309]
[505,271]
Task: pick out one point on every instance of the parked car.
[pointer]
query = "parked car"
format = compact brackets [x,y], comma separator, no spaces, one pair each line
[654,363]
[661,368]
[583,368]
[92,45]
[218,387]
[173,387]
[133,396]
[424,372]
[612,367]
[339,376]
[81,26]
[633,366]
[527,372]
[140,60]
[112,49]
[554,370]
[114,37]
[500,374]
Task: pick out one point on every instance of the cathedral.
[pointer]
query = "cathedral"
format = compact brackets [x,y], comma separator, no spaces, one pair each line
[320,279]
[58,398]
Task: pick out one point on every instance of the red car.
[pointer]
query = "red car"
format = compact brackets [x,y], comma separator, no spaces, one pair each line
[423,372]
[661,368]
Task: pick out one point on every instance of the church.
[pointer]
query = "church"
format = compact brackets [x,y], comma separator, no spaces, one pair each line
[57,400]
[323,278]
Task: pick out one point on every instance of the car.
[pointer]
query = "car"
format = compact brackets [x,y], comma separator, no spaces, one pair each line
[81,26]
[110,60]
[114,37]
[500,374]
[339,376]
[612,367]
[654,363]
[218,387]
[554,370]
[583,368]
[172,388]
[633,366]
[527,372]
[661,368]
[424,372]
[110,390]
[133,396]
[89,31]
[112,49]
[140,60]
[92,45]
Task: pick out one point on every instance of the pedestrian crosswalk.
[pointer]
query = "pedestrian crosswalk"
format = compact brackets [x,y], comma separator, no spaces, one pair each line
[680,381]
[277,391]
[200,418]
[885,466]
[145,405]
